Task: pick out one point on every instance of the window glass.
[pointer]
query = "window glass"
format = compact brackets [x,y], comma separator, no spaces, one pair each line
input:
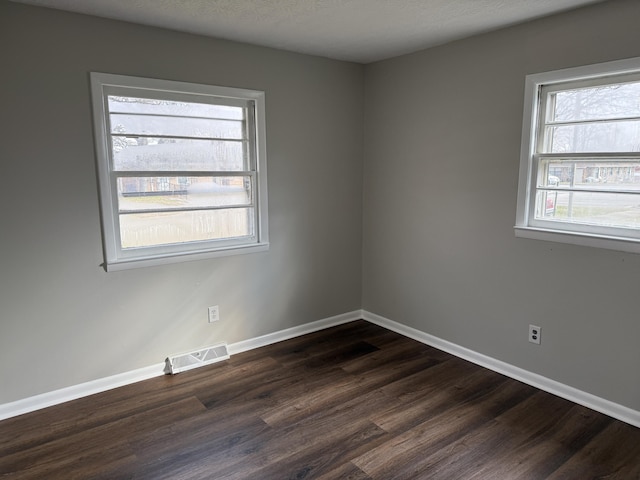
[165,228]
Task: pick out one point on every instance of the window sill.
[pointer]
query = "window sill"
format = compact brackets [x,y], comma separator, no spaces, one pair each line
[129,263]
[582,239]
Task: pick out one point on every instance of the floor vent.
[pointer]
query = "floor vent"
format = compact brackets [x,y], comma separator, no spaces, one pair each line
[199,358]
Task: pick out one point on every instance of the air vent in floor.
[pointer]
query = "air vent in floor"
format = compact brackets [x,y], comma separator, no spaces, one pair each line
[199,358]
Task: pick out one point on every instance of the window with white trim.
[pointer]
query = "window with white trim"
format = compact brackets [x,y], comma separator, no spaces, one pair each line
[181,170]
[580,161]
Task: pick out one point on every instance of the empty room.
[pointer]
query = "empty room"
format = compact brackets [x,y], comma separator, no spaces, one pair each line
[320,239]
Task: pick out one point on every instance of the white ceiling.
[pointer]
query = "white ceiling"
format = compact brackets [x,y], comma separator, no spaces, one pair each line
[355,30]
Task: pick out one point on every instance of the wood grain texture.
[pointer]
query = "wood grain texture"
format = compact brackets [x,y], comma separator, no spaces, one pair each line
[352,402]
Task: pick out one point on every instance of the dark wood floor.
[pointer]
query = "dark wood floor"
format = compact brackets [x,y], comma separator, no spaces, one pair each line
[352,402]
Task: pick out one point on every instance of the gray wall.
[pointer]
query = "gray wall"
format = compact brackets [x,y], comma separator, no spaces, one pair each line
[442,148]
[63,320]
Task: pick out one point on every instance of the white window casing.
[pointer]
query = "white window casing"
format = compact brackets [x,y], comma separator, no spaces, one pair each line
[579,179]
[181,170]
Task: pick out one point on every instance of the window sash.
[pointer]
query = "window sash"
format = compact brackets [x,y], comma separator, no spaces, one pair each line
[162,239]
[540,185]
[546,97]
[167,247]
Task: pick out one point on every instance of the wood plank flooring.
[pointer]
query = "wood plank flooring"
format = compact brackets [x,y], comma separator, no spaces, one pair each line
[351,402]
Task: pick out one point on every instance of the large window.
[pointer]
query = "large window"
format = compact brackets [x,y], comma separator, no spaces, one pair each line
[580,164]
[182,170]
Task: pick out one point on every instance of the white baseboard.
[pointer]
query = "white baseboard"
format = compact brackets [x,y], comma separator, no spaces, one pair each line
[588,400]
[293,332]
[62,395]
[580,397]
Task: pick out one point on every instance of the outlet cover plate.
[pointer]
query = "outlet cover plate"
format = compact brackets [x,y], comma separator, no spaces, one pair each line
[534,334]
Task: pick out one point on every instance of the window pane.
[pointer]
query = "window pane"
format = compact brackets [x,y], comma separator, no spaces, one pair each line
[604,102]
[154,193]
[167,154]
[175,126]
[168,107]
[592,174]
[589,208]
[622,136]
[554,174]
[165,228]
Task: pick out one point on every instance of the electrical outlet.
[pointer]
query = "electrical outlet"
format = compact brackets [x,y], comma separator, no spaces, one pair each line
[534,334]
[214,314]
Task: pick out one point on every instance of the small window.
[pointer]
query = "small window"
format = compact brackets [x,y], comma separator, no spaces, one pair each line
[181,169]
[580,162]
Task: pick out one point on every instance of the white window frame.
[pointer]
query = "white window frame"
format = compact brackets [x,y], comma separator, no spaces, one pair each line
[117,258]
[627,240]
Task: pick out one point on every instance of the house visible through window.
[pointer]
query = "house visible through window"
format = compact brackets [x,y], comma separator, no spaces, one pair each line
[182,170]
[580,164]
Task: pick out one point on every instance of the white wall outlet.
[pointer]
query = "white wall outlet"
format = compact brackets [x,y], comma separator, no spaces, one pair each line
[214,314]
[534,334]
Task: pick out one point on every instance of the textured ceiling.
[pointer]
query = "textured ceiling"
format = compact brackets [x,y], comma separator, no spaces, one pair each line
[356,30]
